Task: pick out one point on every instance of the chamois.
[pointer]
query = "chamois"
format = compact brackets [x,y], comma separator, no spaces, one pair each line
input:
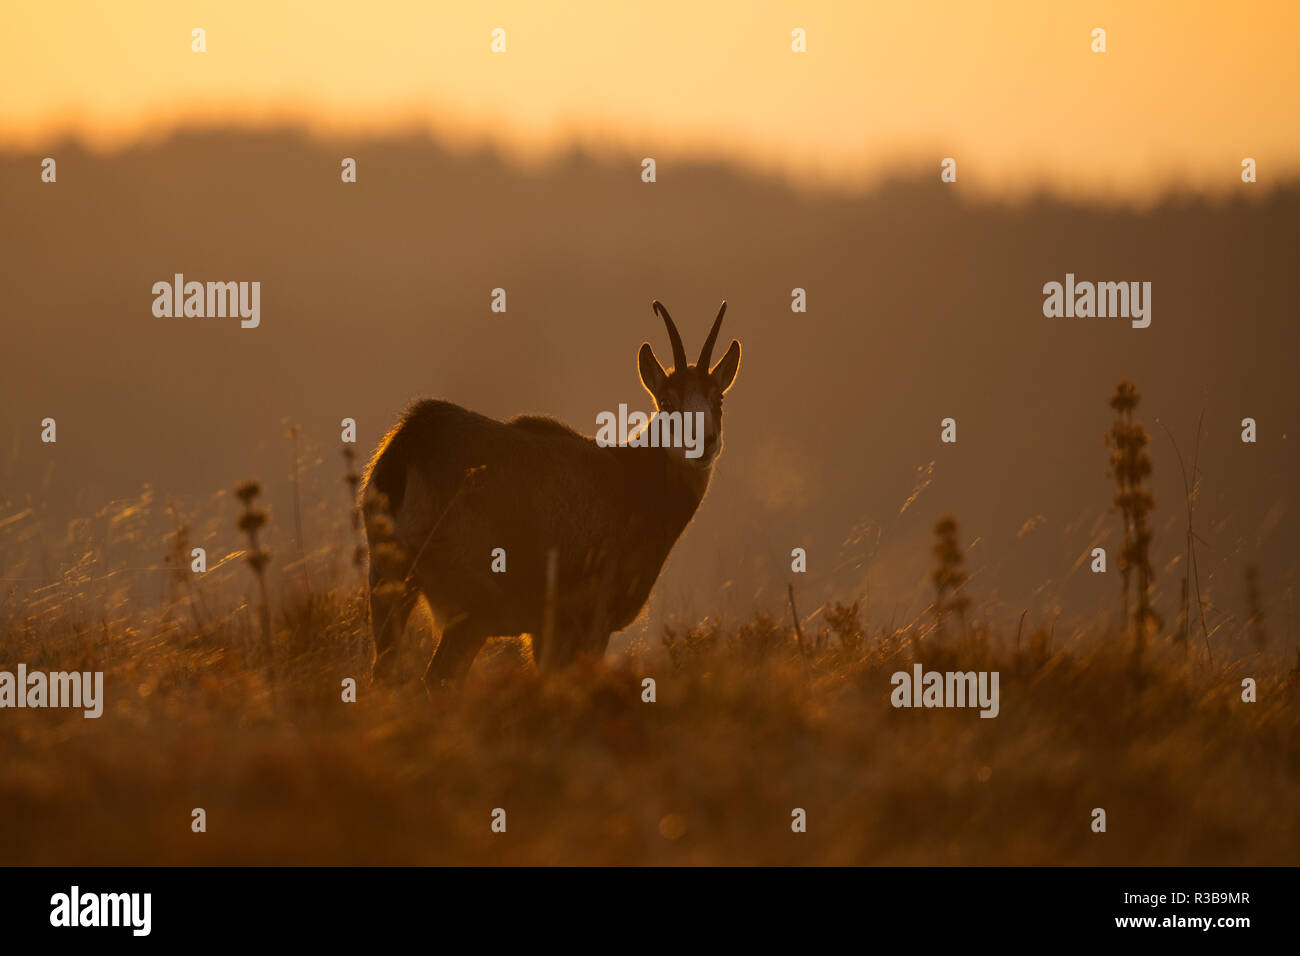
[585,527]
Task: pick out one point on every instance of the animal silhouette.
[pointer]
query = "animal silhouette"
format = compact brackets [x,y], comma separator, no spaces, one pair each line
[527,526]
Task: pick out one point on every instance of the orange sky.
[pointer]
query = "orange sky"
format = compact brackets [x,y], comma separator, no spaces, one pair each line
[1012,90]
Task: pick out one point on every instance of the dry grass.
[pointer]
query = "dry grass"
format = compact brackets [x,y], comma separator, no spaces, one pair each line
[743,731]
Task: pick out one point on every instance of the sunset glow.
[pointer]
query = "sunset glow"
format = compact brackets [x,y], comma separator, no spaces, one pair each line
[1011,90]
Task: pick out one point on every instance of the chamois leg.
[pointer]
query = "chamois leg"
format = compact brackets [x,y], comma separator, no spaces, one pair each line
[600,643]
[556,651]
[596,634]
[539,649]
[593,639]
[391,604]
[460,643]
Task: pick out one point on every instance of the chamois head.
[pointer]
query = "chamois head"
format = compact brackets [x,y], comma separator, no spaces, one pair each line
[691,388]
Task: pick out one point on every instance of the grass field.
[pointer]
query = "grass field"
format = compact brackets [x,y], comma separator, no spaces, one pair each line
[743,731]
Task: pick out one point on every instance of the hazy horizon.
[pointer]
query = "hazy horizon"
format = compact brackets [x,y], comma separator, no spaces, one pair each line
[1180,96]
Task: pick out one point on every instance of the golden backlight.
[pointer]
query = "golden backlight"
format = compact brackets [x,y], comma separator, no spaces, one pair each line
[1012,90]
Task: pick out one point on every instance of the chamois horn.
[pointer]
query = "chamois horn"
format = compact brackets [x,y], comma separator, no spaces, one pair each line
[679,353]
[706,353]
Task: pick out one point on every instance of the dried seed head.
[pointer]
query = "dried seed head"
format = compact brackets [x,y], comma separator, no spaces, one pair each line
[389,591]
[379,527]
[248,490]
[388,560]
[250,521]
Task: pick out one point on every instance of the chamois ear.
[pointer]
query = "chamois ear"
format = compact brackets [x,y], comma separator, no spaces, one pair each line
[724,373]
[653,376]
